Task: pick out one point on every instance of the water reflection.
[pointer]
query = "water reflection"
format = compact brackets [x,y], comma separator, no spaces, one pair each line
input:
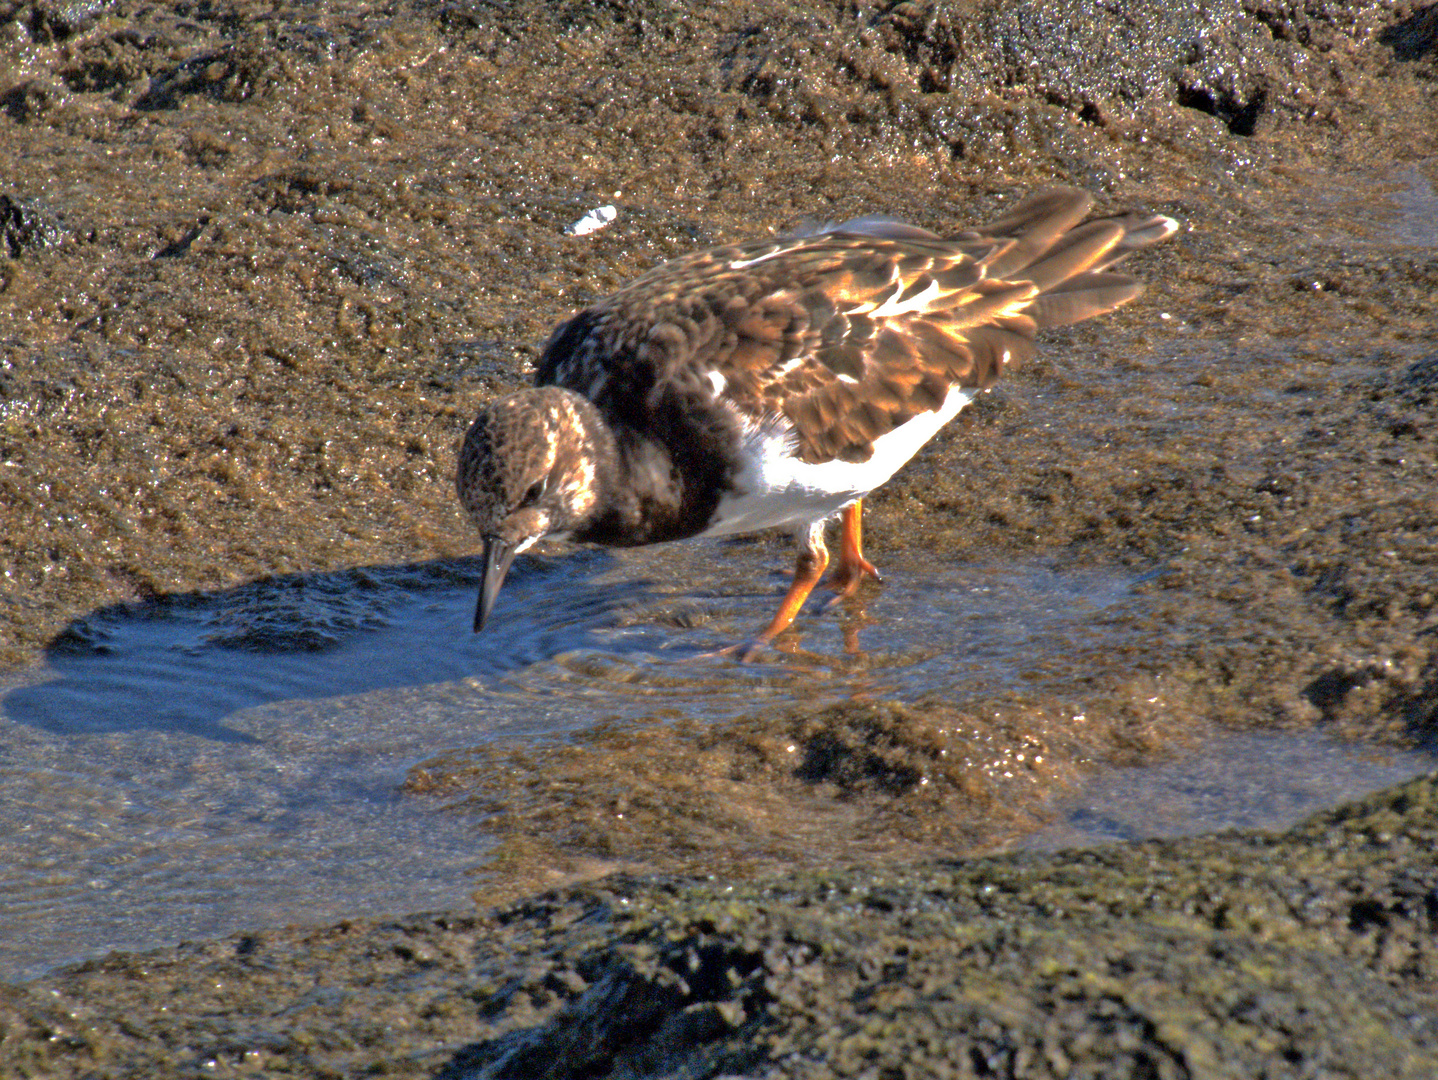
[197,765]
[218,761]
[184,664]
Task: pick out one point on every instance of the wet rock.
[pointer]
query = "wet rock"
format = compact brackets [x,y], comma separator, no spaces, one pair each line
[33,99]
[1415,36]
[28,225]
[317,239]
[1219,956]
[49,21]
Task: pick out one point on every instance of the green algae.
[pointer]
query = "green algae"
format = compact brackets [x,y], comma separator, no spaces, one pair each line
[1207,957]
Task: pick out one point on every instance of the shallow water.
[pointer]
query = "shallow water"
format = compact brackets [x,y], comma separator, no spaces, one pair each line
[226,761]
[1231,780]
[1415,209]
[1393,211]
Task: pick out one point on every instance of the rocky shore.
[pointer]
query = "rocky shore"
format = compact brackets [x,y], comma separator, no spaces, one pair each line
[260,262]
[1310,953]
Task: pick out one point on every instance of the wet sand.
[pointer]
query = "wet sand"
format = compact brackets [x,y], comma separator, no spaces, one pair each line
[264,262]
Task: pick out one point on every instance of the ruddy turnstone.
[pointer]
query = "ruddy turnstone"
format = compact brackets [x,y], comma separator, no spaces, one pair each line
[775,383]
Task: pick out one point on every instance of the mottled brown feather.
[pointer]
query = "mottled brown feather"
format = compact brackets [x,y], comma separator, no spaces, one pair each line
[846,333]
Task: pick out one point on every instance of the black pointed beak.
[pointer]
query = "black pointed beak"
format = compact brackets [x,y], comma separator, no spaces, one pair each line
[498,554]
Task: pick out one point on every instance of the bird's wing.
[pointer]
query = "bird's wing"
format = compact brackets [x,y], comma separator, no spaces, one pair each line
[850,332]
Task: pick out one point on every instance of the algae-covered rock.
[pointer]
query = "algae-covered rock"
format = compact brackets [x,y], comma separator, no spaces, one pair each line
[1307,953]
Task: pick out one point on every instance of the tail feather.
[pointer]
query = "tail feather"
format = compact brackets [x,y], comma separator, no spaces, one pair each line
[1081,298]
[1069,262]
[1034,225]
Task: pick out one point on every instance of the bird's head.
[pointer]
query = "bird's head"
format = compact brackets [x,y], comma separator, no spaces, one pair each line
[527,470]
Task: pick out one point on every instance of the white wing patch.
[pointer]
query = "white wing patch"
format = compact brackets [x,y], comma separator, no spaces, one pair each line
[743,264]
[892,305]
[775,489]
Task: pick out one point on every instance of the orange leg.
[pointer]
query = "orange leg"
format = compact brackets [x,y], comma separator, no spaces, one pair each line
[807,572]
[813,561]
[852,564]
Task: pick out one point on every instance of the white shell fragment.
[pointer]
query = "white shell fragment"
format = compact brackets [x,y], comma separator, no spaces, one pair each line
[593,221]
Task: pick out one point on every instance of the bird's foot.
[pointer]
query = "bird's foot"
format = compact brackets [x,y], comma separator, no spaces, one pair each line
[754,649]
[846,577]
[743,652]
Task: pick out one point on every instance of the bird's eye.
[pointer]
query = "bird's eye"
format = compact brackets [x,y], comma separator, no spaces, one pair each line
[532,496]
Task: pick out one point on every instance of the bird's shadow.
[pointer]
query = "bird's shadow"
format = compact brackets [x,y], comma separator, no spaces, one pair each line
[186,662]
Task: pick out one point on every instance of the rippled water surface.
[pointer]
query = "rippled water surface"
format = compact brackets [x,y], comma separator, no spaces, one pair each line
[1234,780]
[226,761]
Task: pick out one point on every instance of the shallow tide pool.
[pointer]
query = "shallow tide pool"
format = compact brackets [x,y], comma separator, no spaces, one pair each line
[232,760]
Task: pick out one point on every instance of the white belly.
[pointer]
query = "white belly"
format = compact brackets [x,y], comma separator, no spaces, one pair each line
[777,490]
